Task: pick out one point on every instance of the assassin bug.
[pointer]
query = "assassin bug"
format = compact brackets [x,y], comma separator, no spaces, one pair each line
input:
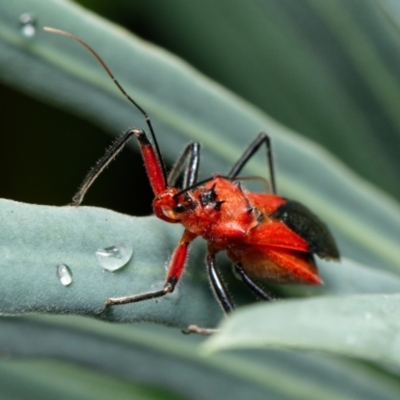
[266,236]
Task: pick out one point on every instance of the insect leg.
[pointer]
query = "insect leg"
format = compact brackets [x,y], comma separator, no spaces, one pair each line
[152,162]
[249,152]
[192,154]
[151,152]
[111,153]
[175,269]
[251,284]
[218,286]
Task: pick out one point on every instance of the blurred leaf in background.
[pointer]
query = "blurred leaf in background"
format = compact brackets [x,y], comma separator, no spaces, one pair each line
[329,70]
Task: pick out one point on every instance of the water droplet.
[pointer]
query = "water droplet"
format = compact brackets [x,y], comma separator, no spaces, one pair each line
[114,257]
[27,22]
[64,274]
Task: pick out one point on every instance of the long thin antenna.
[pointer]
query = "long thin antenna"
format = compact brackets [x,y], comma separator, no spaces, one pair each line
[111,75]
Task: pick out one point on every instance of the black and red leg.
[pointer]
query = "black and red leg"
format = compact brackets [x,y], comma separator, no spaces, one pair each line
[175,270]
[153,164]
[150,149]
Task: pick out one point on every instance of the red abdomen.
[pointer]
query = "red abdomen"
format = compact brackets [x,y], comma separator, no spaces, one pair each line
[281,247]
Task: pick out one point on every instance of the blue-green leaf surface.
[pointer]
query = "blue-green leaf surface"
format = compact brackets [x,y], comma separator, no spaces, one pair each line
[165,359]
[360,326]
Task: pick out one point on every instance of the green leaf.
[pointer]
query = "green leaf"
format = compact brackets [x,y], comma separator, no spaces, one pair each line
[34,240]
[365,327]
[148,353]
[327,69]
[54,379]
[59,235]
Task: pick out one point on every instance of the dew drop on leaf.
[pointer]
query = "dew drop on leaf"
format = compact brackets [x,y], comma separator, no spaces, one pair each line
[64,274]
[27,23]
[114,257]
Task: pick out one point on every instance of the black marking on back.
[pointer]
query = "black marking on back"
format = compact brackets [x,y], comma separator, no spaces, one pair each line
[209,198]
[308,226]
[218,204]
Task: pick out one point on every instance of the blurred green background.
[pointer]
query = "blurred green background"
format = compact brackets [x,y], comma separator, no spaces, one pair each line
[329,70]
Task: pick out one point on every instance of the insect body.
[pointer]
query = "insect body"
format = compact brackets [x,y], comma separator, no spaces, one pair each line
[266,236]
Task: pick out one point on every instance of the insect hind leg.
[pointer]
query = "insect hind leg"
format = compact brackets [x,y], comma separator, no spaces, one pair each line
[252,285]
[249,153]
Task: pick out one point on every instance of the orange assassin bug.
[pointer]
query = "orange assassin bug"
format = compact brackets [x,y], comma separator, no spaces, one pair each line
[266,236]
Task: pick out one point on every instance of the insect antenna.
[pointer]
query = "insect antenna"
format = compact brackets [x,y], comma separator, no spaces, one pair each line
[119,86]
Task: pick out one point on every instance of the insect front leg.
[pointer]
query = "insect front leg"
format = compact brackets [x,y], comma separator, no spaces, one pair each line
[192,154]
[151,152]
[175,270]
[111,153]
[152,160]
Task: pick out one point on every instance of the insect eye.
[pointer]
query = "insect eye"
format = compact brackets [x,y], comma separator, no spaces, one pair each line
[180,208]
